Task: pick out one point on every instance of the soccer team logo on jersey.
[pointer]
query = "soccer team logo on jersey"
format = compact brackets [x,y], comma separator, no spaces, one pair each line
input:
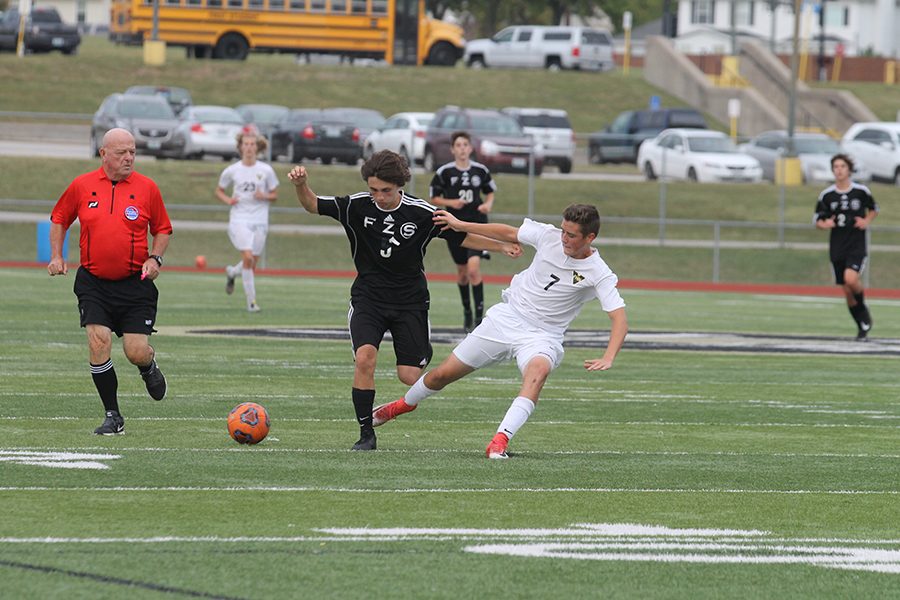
[576,277]
[407,230]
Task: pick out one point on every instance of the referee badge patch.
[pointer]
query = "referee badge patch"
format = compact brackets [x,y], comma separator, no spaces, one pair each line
[131,213]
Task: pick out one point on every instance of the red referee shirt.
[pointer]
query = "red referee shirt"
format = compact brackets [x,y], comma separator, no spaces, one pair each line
[114,221]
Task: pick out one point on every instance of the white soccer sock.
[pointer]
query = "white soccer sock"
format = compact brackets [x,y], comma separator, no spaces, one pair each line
[236,269]
[519,411]
[249,281]
[418,392]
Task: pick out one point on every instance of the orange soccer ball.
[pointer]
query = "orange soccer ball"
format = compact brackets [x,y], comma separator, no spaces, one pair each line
[248,423]
[200,261]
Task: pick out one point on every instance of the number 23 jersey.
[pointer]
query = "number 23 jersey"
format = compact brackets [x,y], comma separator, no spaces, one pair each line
[551,291]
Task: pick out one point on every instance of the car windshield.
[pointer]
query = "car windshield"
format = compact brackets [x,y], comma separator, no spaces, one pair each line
[548,121]
[218,115]
[686,119]
[174,95]
[361,118]
[711,144]
[143,109]
[496,124]
[816,145]
[45,16]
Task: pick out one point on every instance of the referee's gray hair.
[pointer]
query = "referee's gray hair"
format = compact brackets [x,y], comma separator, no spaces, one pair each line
[387,166]
[586,216]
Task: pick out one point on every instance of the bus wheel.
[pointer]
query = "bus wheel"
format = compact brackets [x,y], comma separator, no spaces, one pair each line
[231,46]
[442,54]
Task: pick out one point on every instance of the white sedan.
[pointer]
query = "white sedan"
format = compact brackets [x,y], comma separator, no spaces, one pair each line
[400,133]
[211,130]
[696,155]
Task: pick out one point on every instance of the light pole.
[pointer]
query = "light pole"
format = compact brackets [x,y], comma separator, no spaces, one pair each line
[822,71]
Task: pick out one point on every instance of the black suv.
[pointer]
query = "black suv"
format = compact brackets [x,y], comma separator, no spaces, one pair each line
[620,141]
[498,141]
[44,31]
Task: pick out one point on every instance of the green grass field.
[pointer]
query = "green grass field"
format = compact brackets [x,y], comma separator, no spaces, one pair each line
[763,475]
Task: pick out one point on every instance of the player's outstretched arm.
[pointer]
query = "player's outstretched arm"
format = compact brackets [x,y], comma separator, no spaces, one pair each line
[495,231]
[300,178]
[617,331]
[473,241]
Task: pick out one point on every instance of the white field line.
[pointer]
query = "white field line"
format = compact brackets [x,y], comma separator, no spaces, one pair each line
[258,448]
[471,422]
[344,490]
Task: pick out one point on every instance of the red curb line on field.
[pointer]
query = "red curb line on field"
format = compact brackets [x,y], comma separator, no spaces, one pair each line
[635,284]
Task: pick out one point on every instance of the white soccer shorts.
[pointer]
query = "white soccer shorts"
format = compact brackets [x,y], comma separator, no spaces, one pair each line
[503,335]
[246,236]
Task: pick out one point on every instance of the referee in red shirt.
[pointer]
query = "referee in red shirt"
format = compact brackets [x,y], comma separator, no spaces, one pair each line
[114,283]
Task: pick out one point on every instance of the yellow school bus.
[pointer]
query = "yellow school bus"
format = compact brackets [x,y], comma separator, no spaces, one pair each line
[398,31]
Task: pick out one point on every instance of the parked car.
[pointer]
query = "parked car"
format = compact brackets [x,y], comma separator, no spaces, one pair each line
[403,133]
[365,119]
[552,129]
[44,31]
[498,141]
[262,116]
[813,149]
[696,155]
[877,145]
[541,47]
[177,97]
[620,140]
[311,133]
[150,120]
[211,130]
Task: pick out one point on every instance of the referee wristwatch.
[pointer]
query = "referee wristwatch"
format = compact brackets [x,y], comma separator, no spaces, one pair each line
[157,258]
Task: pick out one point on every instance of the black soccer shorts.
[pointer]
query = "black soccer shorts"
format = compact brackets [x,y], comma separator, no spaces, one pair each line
[125,305]
[854,262]
[461,254]
[410,331]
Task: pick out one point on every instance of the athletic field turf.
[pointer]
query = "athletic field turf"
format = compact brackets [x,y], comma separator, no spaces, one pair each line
[718,471]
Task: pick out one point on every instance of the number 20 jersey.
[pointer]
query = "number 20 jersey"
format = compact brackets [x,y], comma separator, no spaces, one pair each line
[549,294]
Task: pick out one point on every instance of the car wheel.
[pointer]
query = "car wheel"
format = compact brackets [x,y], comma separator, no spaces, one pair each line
[595,155]
[897,177]
[428,161]
[368,152]
[692,175]
[565,166]
[553,64]
[289,154]
[649,173]
[477,62]
[405,154]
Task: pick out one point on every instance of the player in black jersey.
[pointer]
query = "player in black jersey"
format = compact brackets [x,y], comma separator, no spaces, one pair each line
[389,231]
[847,209]
[458,186]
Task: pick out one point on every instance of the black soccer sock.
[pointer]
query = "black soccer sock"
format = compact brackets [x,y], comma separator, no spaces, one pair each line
[107,384]
[464,296]
[363,403]
[478,295]
[863,313]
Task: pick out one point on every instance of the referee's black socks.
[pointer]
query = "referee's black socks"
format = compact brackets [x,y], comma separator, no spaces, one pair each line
[107,384]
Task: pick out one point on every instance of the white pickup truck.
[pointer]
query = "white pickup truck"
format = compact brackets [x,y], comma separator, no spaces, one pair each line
[543,47]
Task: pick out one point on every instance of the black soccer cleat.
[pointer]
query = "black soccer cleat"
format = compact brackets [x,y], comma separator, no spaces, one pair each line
[113,424]
[366,442]
[155,382]
[467,320]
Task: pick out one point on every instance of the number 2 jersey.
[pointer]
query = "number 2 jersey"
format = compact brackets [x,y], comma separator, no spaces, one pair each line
[549,294]
[845,207]
[388,247]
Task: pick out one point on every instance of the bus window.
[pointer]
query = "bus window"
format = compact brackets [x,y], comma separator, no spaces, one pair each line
[317,6]
[173,2]
[255,4]
[298,5]
[379,7]
[194,2]
[276,4]
[339,6]
[359,6]
[235,3]
[213,3]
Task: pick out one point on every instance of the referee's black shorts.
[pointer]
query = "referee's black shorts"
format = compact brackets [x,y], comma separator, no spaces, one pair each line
[124,305]
[410,330]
